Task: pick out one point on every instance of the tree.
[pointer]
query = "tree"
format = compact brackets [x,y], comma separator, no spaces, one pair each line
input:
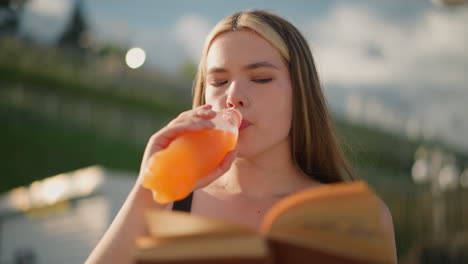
[10,11]
[75,33]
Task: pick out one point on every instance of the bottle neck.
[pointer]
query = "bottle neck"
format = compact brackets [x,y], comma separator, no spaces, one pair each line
[228,120]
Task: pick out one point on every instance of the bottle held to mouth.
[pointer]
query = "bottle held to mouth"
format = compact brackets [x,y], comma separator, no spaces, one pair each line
[171,173]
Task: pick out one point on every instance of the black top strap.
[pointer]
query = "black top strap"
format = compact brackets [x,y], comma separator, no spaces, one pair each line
[184,205]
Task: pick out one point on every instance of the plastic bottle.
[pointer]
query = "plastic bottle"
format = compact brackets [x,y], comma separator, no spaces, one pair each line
[172,172]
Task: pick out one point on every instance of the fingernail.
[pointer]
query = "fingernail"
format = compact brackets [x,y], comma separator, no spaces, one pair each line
[208,123]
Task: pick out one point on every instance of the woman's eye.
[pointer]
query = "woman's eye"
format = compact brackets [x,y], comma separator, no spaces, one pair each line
[216,84]
[263,80]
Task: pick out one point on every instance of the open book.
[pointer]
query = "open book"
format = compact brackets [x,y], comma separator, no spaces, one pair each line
[332,223]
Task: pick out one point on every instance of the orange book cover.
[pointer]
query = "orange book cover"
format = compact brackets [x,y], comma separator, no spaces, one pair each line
[332,223]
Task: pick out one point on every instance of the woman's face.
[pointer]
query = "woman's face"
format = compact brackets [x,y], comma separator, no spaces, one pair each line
[245,72]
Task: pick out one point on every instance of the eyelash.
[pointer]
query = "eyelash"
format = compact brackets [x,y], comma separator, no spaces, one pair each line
[219,84]
[266,80]
[260,81]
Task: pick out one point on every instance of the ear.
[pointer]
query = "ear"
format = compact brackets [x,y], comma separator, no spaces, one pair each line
[387,223]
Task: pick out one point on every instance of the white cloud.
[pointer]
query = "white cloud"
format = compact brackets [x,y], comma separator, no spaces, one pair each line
[191,31]
[44,20]
[423,61]
[50,8]
[355,46]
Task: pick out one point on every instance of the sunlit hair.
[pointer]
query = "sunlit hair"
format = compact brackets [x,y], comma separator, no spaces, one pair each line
[314,145]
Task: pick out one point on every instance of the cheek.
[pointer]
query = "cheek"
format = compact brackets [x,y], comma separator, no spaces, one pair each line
[283,105]
[278,106]
[283,116]
[214,99]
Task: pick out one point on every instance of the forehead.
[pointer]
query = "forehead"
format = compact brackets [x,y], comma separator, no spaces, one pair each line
[240,48]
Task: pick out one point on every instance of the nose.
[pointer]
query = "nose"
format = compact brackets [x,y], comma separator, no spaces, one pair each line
[236,99]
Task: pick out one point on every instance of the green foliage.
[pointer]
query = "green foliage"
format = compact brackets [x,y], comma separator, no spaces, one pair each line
[33,149]
[76,87]
[111,50]
[376,155]
[188,70]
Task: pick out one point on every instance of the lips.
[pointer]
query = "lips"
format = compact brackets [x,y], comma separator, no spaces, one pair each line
[244,124]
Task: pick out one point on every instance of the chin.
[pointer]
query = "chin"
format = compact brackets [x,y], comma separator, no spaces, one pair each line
[242,149]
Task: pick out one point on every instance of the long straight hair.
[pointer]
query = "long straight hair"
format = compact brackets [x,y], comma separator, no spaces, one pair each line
[313,142]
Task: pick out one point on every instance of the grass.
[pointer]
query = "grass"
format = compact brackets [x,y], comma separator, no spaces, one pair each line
[33,149]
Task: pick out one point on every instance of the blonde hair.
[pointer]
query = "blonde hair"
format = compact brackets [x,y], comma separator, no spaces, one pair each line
[314,146]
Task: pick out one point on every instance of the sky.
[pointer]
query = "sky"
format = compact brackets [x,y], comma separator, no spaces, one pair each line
[399,65]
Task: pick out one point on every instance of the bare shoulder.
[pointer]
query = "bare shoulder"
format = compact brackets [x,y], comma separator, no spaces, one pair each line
[385,214]
[309,183]
[387,222]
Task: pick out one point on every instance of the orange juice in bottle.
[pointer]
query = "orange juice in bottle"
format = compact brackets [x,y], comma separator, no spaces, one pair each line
[172,172]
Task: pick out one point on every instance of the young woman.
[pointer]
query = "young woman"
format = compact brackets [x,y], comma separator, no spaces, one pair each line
[261,65]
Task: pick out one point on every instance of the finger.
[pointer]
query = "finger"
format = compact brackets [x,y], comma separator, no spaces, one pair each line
[169,133]
[222,168]
[196,124]
[193,116]
[227,161]
[205,113]
[189,123]
[205,106]
[166,135]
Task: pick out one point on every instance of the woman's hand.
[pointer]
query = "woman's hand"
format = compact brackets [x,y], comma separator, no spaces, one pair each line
[192,120]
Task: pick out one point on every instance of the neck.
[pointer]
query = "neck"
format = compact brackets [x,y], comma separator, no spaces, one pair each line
[267,175]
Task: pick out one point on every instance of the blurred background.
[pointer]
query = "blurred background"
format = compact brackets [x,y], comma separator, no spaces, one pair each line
[83,84]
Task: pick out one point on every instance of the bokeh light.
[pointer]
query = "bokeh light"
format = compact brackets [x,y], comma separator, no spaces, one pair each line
[135,57]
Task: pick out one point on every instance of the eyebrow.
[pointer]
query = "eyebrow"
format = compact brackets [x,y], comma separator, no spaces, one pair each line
[256,65]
